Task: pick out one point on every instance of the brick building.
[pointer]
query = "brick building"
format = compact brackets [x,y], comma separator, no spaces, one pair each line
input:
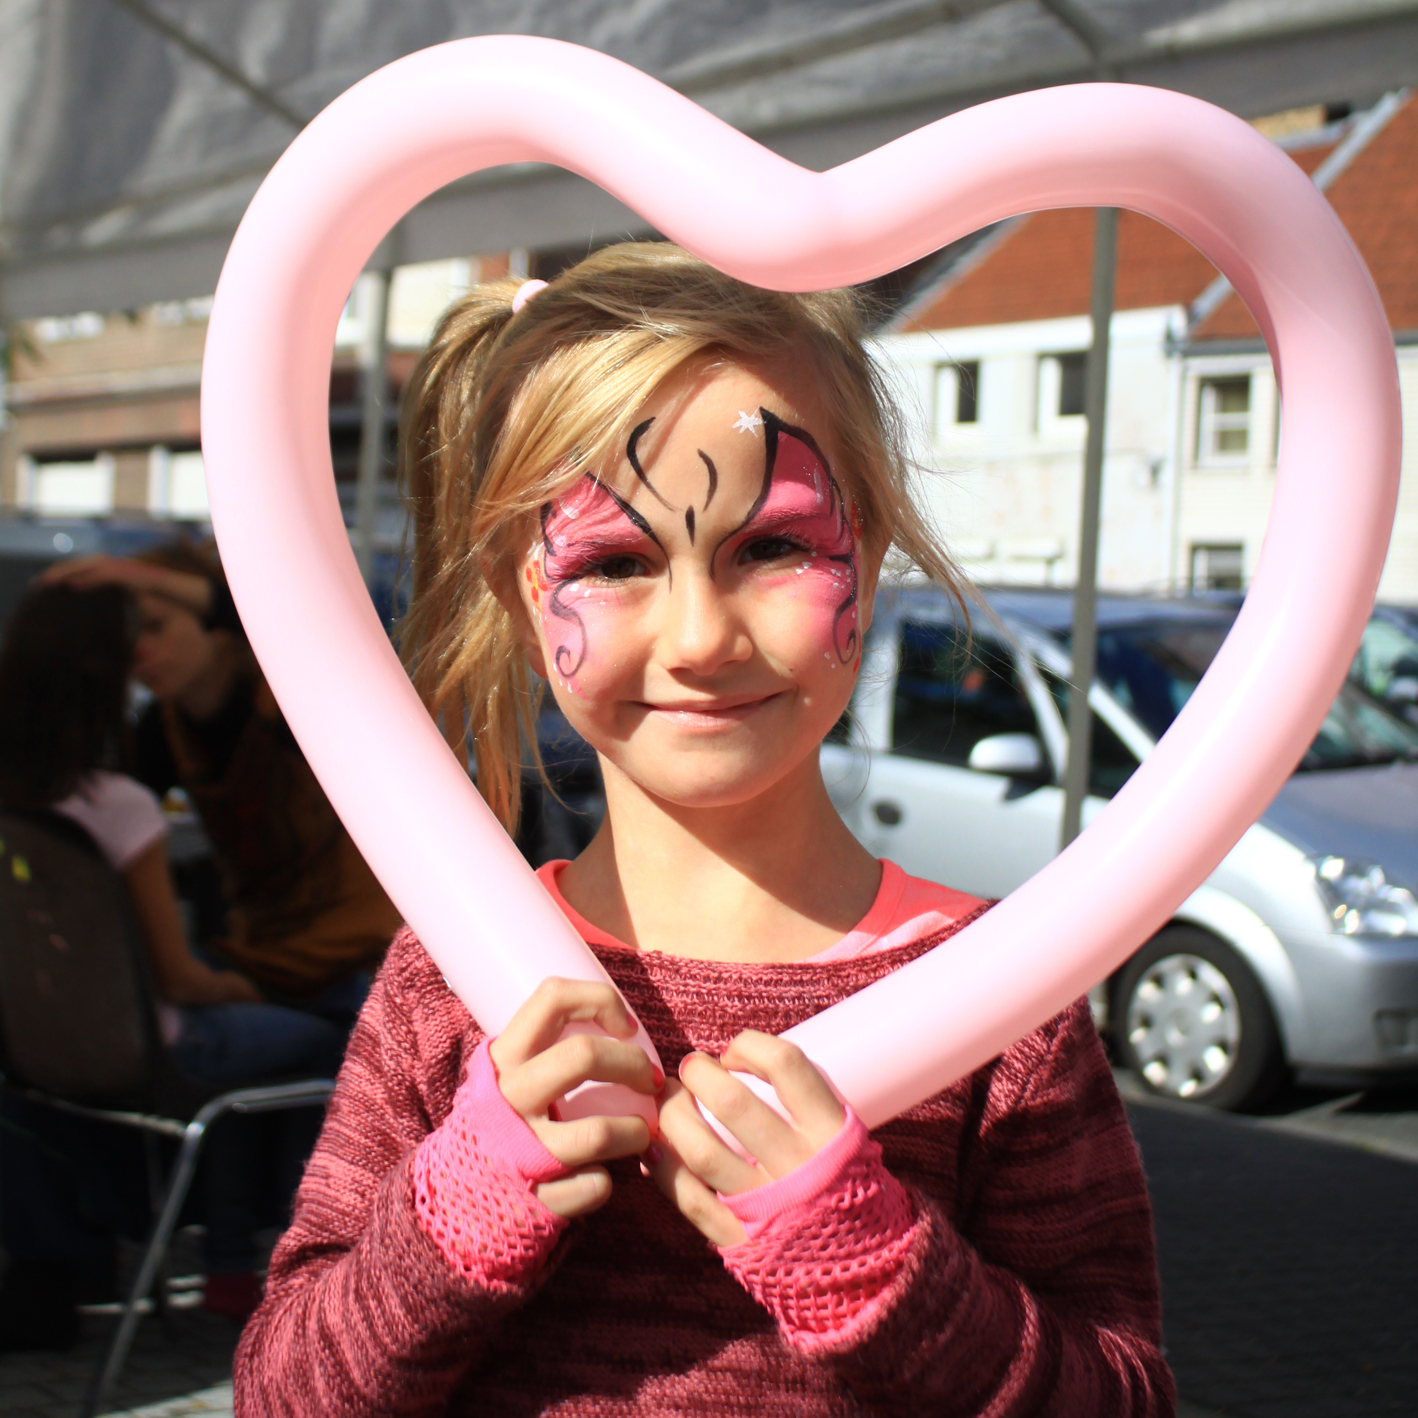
[103,410]
[993,354]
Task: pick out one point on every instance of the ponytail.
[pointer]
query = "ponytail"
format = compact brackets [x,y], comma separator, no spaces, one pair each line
[458,641]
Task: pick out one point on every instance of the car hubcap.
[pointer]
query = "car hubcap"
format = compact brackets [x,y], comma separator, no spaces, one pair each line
[1184,1026]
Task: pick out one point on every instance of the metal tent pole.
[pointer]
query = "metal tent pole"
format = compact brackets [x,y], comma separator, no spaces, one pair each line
[374,392]
[1085,595]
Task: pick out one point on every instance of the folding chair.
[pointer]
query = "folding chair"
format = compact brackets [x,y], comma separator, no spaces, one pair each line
[78,1028]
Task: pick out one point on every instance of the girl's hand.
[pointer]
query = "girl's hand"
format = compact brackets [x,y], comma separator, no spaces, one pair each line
[535,1066]
[85,573]
[691,1163]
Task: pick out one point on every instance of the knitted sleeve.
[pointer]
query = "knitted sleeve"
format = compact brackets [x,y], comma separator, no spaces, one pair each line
[473,1181]
[364,1313]
[1042,1299]
[824,1244]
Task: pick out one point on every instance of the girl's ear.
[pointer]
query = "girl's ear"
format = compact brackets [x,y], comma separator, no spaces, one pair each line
[509,590]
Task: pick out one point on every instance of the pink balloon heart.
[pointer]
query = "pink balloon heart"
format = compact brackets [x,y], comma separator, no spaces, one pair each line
[438,115]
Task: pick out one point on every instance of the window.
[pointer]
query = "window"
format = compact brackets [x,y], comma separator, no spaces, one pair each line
[953,690]
[1073,379]
[55,329]
[1387,654]
[1110,761]
[967,392]
[957,395]
[177,485]
[1224,419]
[68,489]
[1063,379]
[182,312]
[1217,567]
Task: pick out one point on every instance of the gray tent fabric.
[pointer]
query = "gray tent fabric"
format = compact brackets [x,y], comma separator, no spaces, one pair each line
[133,132]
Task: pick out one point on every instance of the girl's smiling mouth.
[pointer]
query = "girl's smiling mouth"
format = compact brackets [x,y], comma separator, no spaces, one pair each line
[728,708]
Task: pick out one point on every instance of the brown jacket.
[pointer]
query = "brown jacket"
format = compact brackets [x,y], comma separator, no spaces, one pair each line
[306,911]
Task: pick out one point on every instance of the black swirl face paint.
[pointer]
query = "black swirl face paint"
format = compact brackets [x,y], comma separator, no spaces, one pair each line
[585,533]
[799,504]
[798,540]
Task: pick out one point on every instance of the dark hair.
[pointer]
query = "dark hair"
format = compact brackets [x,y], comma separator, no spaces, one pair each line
[196,558]
[63,684]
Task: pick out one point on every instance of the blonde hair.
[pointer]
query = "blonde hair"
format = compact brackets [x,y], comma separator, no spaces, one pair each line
[505,410]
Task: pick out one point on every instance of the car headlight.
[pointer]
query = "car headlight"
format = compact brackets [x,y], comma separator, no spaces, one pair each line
[1360,899]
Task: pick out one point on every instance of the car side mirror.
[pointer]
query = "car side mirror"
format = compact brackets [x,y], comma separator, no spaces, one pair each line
[1011,755]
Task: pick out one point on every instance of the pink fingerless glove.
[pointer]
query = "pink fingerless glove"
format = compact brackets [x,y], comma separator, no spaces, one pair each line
[826,1242]
[473,1181]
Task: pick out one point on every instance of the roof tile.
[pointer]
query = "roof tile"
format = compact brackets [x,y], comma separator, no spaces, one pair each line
[1041,268]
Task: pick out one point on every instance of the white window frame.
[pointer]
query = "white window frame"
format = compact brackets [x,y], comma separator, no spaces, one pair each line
[1201,551]
[1050,391]
[1210,422]
[168,473]
[30,474]
[946,420]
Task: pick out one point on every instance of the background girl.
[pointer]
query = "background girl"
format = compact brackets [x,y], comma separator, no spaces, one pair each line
[669,496]
[63,740]
[304,917]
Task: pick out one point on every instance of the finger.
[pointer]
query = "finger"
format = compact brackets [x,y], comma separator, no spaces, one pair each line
[701,1149]
[531,1087]
[815,1109]
[692,1199]
[594,1139]
[777,1145]
[551,1006]
[577,1194]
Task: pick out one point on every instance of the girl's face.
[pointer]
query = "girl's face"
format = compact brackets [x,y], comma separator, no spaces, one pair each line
[173,651]
[698,603]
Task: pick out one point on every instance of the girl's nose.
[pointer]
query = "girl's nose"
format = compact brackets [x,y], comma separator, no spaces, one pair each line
[702,631]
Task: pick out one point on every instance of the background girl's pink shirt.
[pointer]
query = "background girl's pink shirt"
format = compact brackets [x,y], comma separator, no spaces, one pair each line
[906,909]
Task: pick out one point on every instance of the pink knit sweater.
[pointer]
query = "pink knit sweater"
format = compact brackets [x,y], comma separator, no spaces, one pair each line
[1027,1283]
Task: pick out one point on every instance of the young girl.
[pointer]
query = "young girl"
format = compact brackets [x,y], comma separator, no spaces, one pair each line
[669,494]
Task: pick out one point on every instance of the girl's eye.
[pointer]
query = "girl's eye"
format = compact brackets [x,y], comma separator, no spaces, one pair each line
[616,568]
[771,549]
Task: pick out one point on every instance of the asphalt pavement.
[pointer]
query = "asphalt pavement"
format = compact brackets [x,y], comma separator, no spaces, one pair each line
[1288,1247]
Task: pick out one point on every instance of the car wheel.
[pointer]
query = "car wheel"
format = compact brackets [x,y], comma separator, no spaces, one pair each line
[1191,1020]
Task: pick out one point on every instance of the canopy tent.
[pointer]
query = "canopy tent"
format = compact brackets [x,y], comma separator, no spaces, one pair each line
[133,132]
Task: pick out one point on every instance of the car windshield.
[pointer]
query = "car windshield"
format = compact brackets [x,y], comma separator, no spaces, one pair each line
[1152,669]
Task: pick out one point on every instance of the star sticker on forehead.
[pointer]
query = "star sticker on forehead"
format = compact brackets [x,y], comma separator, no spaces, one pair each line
[748,423]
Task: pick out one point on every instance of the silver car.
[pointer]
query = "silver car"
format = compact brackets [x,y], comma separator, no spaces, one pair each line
[1299,952]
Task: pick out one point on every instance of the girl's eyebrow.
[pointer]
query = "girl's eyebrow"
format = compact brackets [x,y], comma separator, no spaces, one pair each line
[589,545]
[770,519]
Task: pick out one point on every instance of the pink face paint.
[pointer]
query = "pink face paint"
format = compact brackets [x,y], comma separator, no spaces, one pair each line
[800,503]
[584,531]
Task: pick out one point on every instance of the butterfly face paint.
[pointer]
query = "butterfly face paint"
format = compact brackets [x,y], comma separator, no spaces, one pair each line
[800,508]
[590,538]
[776,559]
